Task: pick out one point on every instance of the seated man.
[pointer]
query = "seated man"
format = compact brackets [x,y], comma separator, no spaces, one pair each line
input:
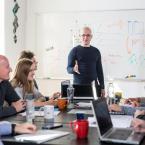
[7,92]
[130,106]
[7,128]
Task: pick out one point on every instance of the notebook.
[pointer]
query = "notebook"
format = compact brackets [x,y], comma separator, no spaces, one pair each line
[106,131]
[41,136]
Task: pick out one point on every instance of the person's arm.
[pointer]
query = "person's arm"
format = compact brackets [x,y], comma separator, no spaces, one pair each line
[128,110]
[99,70]
[138,125]
[11,97]
[7,111]
[5,128]
[71,61]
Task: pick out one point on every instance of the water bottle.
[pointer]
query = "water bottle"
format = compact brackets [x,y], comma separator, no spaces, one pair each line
[30,109]
[110,92]
[70,95]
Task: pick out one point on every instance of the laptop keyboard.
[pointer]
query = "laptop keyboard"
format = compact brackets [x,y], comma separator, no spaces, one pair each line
[120,134]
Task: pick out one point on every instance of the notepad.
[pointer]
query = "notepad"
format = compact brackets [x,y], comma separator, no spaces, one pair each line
[41,113]
[41,136]
[84,104]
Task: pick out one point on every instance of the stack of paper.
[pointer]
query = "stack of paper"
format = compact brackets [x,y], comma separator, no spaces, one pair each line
[41,113]
[41,136]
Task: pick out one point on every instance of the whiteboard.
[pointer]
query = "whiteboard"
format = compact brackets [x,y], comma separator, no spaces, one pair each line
[119,35]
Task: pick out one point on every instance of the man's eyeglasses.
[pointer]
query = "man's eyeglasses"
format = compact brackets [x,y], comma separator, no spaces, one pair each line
[86,35]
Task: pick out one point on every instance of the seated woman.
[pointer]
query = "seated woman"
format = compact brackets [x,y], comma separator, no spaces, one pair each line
[130,106]
[23,83]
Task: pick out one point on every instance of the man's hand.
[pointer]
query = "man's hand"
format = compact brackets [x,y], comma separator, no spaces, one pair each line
[56,95]
[138,125]
[102,92]
[139,112]
[25,128]
[76,68]
[19,105]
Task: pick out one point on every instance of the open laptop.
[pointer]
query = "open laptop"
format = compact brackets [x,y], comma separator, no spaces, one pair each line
[82,92]
[106,130]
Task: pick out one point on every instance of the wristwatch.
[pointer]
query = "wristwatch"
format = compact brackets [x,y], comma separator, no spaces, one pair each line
[13,129]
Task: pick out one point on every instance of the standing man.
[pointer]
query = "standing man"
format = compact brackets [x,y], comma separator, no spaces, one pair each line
[7,92]
[84,62]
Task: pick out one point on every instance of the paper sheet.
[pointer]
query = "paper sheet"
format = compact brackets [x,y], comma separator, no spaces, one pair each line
[122,121]
[74,111]
[41,113]
[84,104]
[40,136]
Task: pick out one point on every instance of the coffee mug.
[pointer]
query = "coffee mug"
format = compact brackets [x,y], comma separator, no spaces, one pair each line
[80,128]
[62,103]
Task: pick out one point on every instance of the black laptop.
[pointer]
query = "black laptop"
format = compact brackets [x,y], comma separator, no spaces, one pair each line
[82,92]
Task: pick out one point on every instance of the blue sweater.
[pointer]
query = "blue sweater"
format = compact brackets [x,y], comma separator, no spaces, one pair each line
[89,65]
[5,129]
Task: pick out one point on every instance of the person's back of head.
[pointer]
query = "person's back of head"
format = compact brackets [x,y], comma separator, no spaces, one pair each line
[29,55]
[26,54]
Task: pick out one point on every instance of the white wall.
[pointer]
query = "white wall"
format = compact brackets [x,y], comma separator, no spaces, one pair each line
[12,50]
[2,27]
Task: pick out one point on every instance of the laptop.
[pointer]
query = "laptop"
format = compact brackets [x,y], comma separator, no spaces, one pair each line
[106,130]
[82,92]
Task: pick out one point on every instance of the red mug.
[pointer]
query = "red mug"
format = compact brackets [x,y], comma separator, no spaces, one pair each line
[80,127]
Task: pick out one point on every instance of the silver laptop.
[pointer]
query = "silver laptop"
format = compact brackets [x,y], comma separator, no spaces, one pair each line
[106,130]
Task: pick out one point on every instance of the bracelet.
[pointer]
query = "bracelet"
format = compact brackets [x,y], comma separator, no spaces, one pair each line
[13,129]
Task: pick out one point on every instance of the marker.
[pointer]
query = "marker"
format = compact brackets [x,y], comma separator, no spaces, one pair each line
[130,76]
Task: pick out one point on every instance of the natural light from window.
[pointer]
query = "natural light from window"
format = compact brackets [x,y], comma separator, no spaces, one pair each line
[2,27]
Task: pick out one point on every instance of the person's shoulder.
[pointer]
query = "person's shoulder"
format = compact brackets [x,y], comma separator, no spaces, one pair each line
[5,82]
[77,47]
[95,49]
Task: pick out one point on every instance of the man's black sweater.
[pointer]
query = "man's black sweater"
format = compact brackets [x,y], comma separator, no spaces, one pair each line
[89,65]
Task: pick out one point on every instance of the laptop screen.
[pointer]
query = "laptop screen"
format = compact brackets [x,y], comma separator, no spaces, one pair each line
[81,91]
[102,115]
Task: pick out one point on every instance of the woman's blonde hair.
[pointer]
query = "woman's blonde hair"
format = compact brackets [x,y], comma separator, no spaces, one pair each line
[20,78]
